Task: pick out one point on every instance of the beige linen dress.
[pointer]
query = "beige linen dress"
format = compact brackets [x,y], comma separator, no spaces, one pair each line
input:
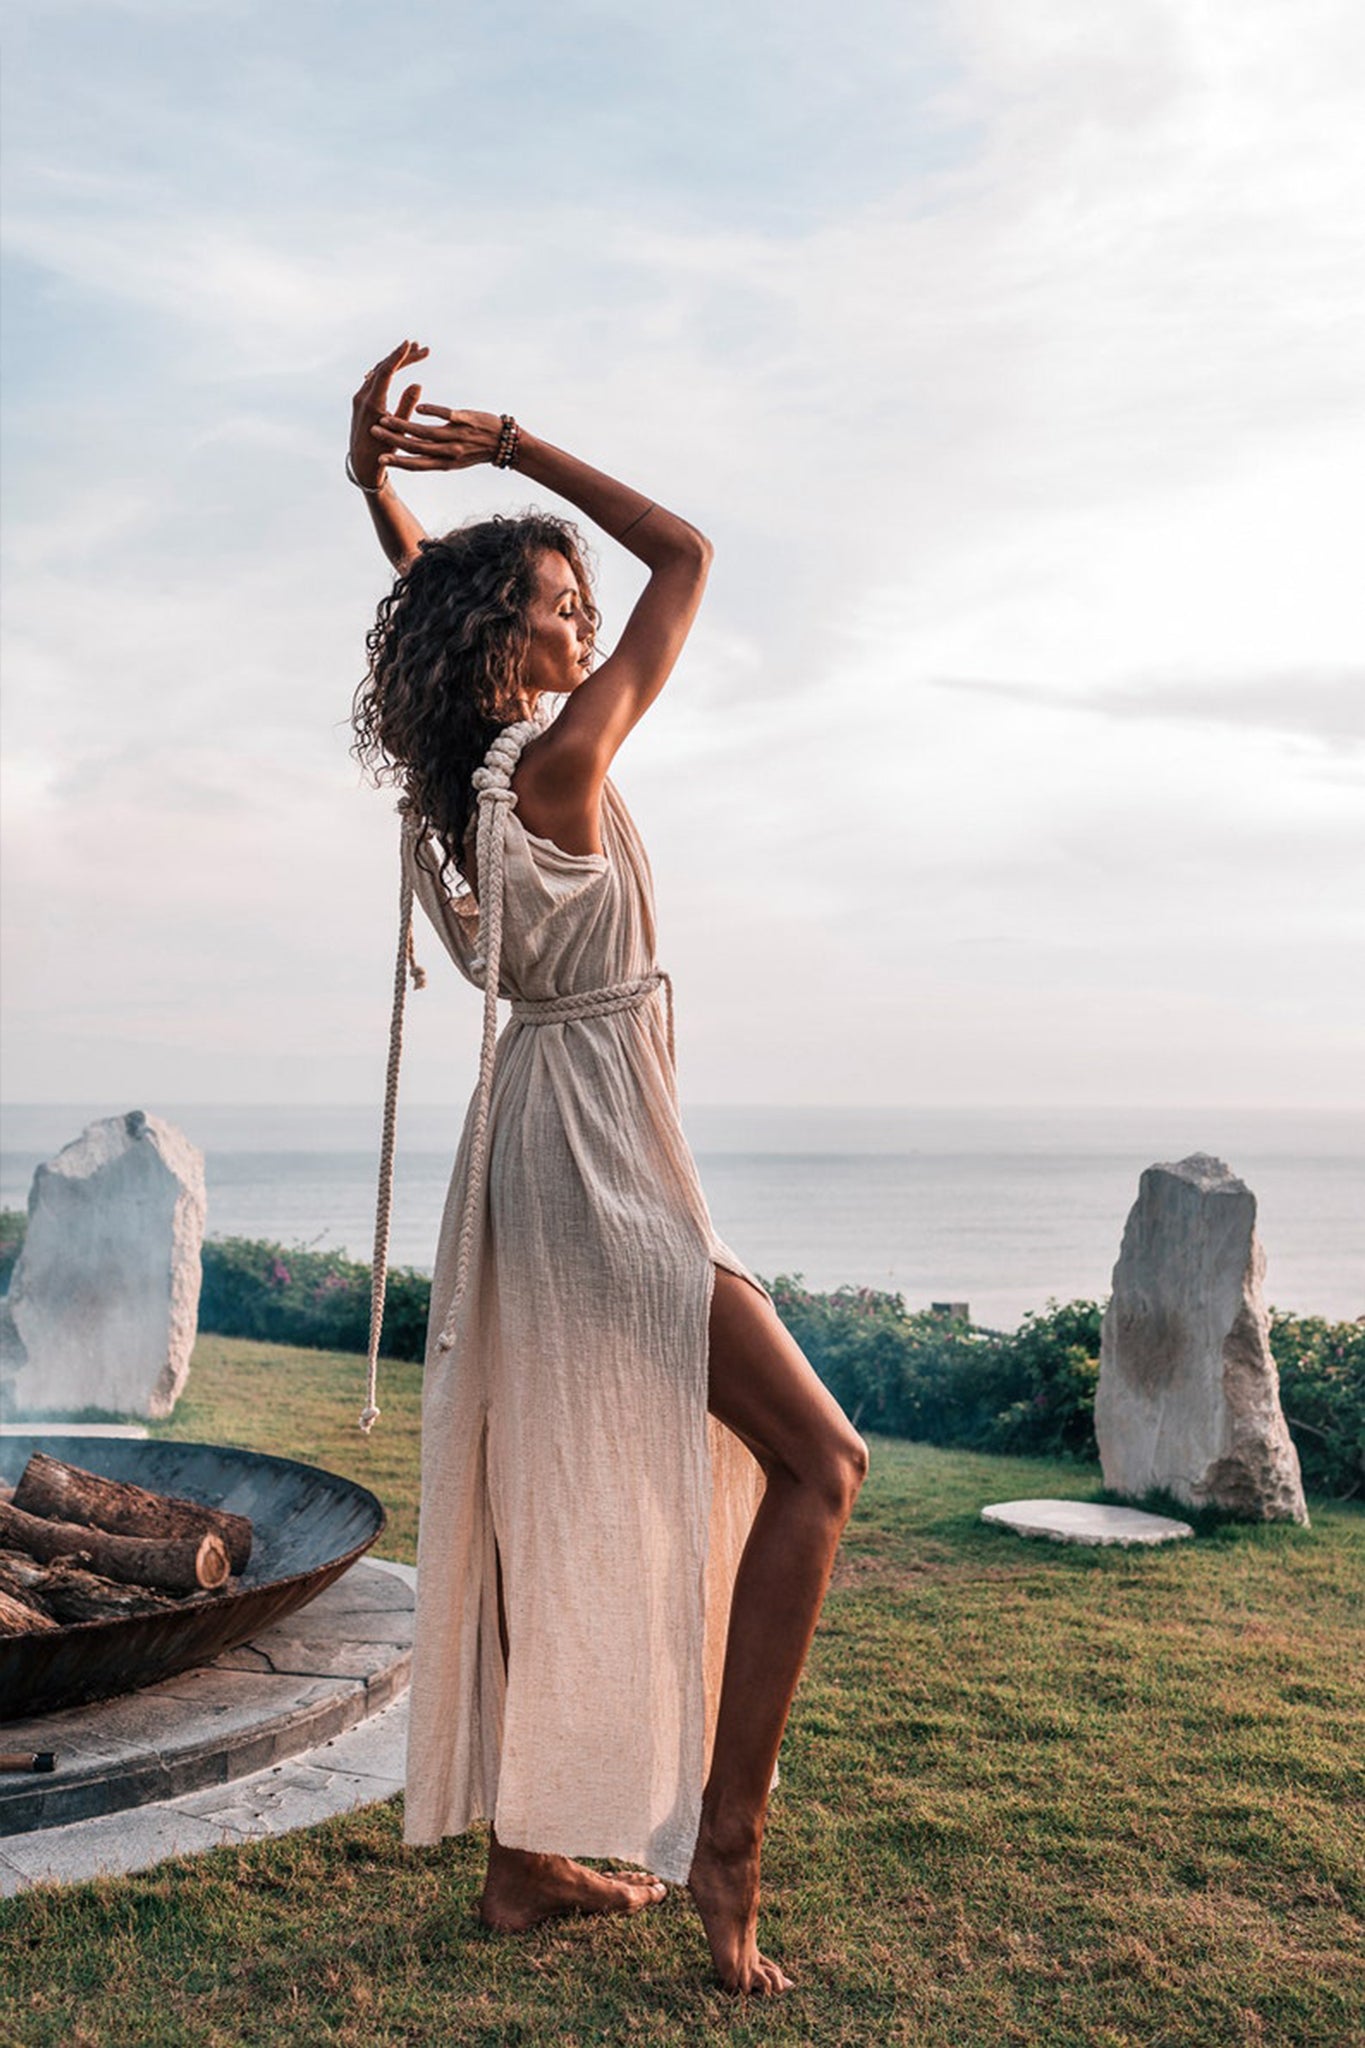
[564,1421]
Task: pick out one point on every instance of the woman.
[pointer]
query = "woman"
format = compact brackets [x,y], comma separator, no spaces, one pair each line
[633,1484]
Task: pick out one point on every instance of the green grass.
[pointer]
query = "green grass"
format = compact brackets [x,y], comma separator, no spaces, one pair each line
[1031,1794]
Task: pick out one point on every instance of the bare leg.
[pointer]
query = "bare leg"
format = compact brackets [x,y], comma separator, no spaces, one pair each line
[763,1388]
[522,1888]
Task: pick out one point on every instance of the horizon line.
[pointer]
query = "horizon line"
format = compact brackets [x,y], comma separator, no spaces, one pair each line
[880,1106]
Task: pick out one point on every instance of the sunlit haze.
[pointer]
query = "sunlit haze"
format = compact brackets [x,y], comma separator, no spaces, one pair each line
[1011,356]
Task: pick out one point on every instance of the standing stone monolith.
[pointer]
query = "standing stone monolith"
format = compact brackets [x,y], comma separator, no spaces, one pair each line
[104,1298]
[1188,1397]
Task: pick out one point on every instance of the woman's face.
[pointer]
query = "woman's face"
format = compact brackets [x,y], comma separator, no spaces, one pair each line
[561,630]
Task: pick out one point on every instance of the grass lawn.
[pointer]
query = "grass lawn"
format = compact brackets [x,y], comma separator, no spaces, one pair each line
[1031,1794]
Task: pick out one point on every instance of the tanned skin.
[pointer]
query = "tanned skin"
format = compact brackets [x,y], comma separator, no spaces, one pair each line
[760,1384]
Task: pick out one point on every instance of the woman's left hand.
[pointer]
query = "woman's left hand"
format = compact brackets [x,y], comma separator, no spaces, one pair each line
[371,402]
[442,440]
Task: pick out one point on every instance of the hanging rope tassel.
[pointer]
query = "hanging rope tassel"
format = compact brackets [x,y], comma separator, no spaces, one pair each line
[495,800]
[405,965]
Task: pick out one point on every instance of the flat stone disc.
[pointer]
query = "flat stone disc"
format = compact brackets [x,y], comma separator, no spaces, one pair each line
[1082,1521]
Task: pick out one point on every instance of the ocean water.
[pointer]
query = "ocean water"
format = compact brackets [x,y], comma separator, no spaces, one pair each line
[1002,1209]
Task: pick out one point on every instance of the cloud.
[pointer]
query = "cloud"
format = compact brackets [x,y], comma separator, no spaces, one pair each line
[1016,346]
[1323,707]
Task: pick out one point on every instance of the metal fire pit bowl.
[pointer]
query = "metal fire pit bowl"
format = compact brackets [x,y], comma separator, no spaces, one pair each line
[309,1527]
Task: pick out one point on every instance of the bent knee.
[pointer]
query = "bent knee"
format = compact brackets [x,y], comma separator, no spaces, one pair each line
[858,1463]
[842,1470]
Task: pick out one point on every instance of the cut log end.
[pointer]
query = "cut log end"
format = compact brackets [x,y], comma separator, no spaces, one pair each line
[172,1565]
[212,1565]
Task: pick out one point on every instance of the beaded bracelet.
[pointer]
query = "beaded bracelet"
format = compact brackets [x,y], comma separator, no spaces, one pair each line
[508,440]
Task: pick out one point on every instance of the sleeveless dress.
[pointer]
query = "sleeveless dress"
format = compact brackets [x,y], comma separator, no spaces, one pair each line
[565,1433]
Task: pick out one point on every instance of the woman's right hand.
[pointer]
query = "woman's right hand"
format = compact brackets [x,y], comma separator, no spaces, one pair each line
[445,439]
[371,404]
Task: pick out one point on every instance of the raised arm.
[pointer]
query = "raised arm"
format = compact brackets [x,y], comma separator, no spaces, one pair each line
[560,780]
[602,711]
[398,530]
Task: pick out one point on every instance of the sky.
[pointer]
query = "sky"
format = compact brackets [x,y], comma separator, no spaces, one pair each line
[1011,357]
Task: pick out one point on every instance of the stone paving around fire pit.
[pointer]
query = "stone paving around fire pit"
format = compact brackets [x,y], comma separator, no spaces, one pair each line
[306,1721]
[133,1431]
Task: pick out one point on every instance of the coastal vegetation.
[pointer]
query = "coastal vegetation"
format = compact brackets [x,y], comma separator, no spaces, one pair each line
[1031,1794]
[900,1372]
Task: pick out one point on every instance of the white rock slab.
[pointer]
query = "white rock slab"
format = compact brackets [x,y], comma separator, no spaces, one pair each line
[104,1298]
[1083,1521]
[1188,1399]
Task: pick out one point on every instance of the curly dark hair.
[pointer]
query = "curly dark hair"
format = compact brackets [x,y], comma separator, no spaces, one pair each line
[447,655]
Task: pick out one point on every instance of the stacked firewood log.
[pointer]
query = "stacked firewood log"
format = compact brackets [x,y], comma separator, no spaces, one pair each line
[75,1546]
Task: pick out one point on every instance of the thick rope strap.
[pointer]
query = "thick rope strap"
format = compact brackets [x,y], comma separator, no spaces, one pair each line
[667,981]
[495,799]
[405,964]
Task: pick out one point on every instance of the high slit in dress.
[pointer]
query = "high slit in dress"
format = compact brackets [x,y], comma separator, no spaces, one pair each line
[565,1433]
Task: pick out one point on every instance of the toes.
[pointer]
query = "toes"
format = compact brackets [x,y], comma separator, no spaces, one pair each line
[631,1893]
[768,1980]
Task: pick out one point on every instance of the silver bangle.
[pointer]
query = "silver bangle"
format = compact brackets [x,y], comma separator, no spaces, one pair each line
[370,490]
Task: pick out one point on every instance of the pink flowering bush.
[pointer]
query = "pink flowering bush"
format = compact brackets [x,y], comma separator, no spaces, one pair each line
[310,1297]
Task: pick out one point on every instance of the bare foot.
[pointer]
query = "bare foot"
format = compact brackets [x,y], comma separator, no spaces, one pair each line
[522,1889]
[724,1883]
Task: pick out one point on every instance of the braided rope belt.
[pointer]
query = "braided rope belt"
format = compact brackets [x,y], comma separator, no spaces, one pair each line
[591,1002]
[568,1009]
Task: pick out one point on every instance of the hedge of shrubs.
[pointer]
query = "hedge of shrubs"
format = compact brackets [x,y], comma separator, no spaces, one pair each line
[316,1298]
[916,1374]
[1032,1392]
[1322,1392]
[927,1376]
[12,1223]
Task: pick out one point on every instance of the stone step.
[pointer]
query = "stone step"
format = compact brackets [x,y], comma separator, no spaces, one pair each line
[46,1429]
[356,1769]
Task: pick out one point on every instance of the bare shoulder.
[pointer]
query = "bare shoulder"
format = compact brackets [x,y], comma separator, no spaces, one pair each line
[558,785]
